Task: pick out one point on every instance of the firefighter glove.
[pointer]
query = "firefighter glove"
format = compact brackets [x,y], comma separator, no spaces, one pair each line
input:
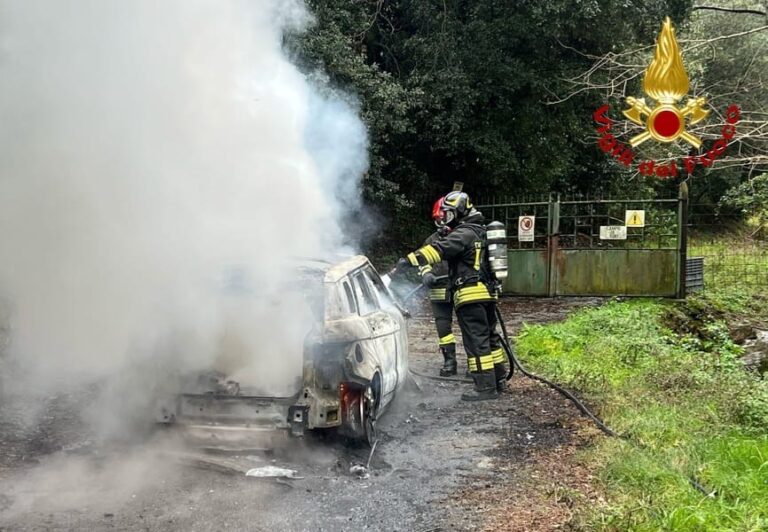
[429,279]
[402,265]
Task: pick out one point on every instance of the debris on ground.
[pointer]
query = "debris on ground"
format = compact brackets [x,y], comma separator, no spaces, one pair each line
[363,471]
[360,471]
[431,473]
[273,472]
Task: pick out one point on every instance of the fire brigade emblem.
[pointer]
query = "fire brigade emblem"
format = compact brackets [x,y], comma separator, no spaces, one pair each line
[666,82]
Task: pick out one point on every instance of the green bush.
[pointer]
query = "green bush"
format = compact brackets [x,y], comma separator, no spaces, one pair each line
[668,376]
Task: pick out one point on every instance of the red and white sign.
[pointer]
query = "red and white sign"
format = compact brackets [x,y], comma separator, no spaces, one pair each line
[525,225]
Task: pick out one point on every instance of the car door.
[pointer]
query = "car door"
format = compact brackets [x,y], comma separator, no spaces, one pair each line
[381,327]
[390,327]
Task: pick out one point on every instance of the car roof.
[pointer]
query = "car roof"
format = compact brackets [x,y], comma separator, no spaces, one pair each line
[330,272]
[340,269]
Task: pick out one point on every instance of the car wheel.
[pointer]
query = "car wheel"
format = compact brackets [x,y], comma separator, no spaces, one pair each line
[368,415]
[359,410]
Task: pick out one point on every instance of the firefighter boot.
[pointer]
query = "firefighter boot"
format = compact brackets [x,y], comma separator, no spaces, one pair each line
[485,387]
[449,360]
[500,372]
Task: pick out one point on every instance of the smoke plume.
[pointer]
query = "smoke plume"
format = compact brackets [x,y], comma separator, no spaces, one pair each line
[161,164]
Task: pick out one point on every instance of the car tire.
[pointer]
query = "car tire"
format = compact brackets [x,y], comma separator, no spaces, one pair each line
[368,415]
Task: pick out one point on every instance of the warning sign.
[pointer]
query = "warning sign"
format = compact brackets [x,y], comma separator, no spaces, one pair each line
[635,219]
[525,225]
[613,232]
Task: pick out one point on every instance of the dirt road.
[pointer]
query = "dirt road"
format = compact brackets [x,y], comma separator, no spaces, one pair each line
[441,464]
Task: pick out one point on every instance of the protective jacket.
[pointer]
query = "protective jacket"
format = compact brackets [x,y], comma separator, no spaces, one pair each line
[440,292]
[464,249]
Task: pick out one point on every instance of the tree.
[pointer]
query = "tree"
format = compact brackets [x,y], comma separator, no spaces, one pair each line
[724,49]
[455,90]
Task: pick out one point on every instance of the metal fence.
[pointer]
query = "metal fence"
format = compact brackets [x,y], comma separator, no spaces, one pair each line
[721,247]
[724,248]
[733,248]
[591,247]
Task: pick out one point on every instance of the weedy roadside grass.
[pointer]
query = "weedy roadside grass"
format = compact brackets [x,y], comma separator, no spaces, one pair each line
[737,261]
[668,376]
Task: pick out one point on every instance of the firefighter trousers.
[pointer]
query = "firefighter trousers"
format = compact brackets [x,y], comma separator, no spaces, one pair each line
[443,314]
[482,342]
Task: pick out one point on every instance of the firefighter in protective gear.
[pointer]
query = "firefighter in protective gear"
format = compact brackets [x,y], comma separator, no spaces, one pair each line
[440,298]
[474,296]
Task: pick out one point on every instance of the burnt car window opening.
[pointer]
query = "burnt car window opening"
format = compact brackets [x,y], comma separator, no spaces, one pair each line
[364,298]
[351,305]
[379,289]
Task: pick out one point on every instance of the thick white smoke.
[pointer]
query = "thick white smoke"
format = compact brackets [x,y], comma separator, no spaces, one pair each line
[150,152]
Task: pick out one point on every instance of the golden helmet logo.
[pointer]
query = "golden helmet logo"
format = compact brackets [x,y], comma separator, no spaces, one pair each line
[666,81]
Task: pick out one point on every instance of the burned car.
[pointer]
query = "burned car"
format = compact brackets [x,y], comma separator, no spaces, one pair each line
[354,359]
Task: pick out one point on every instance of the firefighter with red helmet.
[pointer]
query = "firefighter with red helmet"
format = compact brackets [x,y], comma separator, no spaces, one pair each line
[440,297]
[473,291]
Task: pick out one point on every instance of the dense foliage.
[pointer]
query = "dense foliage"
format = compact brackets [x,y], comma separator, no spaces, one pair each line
[731,71]
[459,90]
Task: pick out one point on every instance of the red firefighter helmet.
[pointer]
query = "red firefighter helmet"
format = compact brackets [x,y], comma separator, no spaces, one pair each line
[437,212]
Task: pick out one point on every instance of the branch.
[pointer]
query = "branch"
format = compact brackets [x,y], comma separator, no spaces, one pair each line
[721,37]
[731,10]
[617,73]
[379,5]
[609,74]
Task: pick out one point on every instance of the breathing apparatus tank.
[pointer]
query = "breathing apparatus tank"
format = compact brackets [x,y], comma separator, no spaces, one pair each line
[496,236]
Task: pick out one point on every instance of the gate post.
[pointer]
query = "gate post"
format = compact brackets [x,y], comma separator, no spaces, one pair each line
[553,232]
[682,238]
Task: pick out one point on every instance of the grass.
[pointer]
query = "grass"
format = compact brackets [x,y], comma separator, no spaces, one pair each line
[668,375]
[735,261]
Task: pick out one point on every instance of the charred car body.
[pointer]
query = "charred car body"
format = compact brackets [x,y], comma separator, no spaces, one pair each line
[355,358]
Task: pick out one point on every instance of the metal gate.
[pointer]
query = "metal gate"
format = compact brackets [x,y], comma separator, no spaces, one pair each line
[568,256]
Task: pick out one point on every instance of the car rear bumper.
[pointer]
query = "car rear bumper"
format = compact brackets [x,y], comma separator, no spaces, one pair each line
[221,420]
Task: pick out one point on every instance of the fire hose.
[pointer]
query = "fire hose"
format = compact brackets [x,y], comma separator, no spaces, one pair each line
[513,361]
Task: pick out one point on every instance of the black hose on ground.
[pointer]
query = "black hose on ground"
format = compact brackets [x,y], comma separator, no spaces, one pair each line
[505,344]
[513,361]
[565,393]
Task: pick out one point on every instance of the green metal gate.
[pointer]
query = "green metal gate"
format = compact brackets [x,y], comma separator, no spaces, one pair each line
[568,256]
